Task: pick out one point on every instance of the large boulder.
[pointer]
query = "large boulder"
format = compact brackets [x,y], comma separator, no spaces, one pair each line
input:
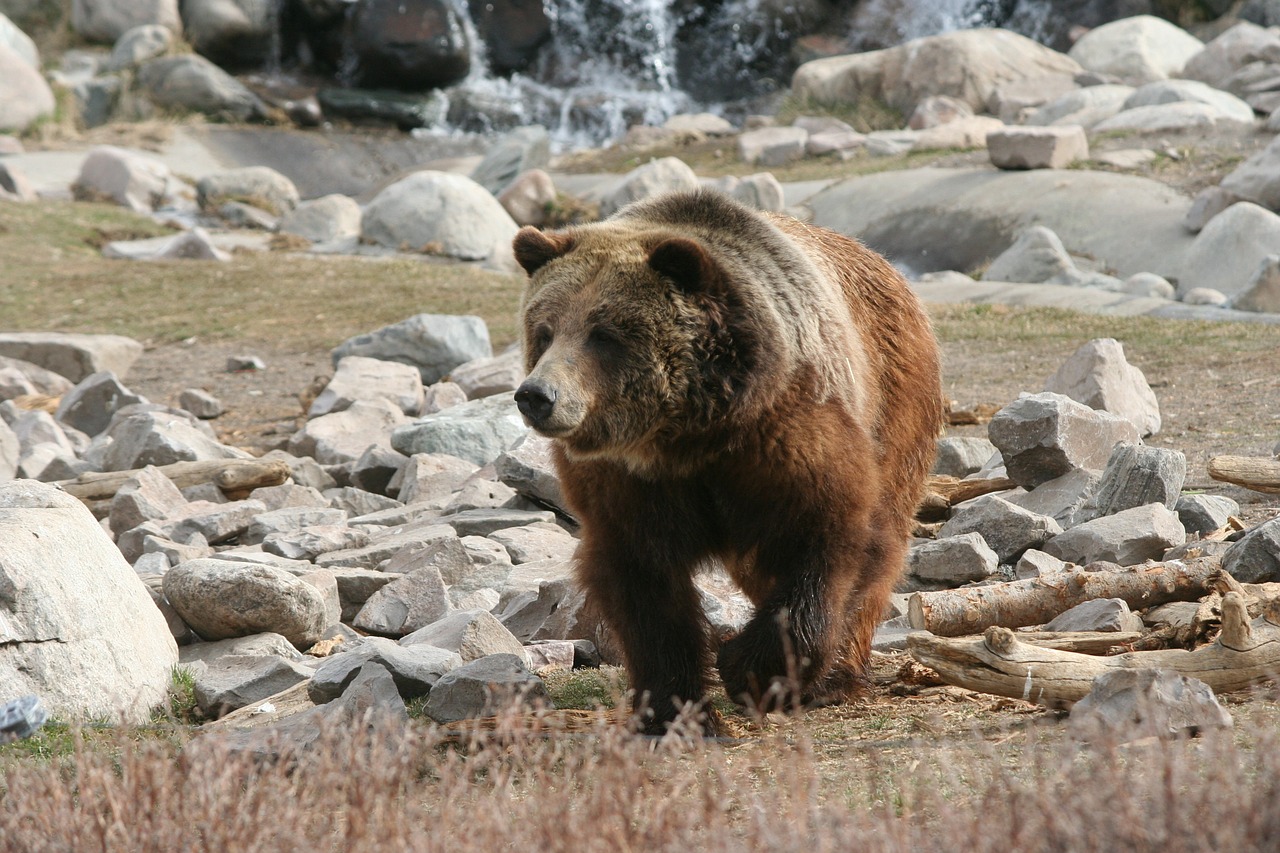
[128,178]
[408,44]
[1137,50]
[193,83]
[221,599]
[1231,51]
[232,33]
[440,213]
[433,343]
[668,174]
[21,43]
[107,20]
[959,219]
[966,64]
[77,626]
[74,356]
[259,186]
[1228,252]
[1257,179]
[24,94]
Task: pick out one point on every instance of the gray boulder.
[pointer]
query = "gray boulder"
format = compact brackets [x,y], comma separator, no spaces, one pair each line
[1100,614]
[1082,107]
[414,600]
[343,437]
[328,219]
[74,356]
[149,496]
[431,477]
[137,45]
[234,681]
[1262,292]
[19,42]
[517,152]
[1036,256]
[156,438]
[1062,498]
[73,605]
[531,543]
[1098,375]
[473,634]
[1202,514]
[107,20]
[485,686]
[1037,147]
[1007,529]
[1138,50]
[1043,436]
[1129,704]
[288,519]
[1225,104]
[221,599]
[953,561]
[1137,475]
[127,178]
[194,83]
[90,405]
[258,186]
[1126,538]
[363,378]
[1255,558]
[1257,179]
[478,431]
[526,466]
[438,212]
[433,343]
[415,669]
[484,377]
[668,174]
[1228,252]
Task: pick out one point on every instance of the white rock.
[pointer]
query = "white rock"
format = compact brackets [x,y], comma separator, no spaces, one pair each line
[1098,375]
[772,146]
[438,211]
[328,219]
[1037,147]
[368,379]
[344,436]
[1228,252]
[1180,115]
[107,20]
[1137,50]
[665,175]
[77,626]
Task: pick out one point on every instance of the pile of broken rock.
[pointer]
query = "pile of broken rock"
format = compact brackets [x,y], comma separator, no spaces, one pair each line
[412,542]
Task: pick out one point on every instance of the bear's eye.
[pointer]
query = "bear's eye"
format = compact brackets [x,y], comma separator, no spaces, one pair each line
[541,339]
[604,338]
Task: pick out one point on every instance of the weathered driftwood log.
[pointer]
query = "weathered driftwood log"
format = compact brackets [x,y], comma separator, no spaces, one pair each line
[235,477]
[956,612]
[1252,472]
[1245,653]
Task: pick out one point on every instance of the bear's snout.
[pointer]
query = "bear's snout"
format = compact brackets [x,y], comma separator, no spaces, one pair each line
[536,399]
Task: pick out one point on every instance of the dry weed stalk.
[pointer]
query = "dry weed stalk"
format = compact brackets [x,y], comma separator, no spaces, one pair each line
[523,784]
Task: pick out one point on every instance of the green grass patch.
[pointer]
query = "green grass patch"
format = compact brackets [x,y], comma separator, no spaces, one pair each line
[55,279]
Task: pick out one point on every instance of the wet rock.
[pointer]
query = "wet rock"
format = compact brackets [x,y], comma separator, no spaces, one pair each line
[410,45]
[405,110]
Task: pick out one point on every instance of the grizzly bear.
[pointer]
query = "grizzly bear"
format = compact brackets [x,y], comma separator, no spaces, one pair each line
[722,384]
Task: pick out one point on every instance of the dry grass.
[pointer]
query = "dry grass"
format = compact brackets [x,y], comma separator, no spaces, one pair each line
[522,787]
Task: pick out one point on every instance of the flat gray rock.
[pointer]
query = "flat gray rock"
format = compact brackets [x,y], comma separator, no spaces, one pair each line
[1008,530]
[415,669]
[953,560]
[485,686]
[478,431]
[1129,704]
[472,634]
[233,681]
[1126,538]
[433,343]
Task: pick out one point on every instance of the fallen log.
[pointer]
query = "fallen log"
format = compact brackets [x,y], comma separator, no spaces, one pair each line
[971,610]
[1253,472]
[1246,653]
[235,477]
[1083,642]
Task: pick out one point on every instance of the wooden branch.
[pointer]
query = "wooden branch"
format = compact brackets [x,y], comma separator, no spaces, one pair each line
[1246,653]
[1083,642]
[943,492]
[1253,472]
[956,612]
[235,477]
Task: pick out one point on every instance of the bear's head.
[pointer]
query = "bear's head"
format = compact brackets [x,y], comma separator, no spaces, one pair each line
[632,337]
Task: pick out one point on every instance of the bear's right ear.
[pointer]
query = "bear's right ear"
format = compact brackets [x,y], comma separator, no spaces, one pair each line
[535,249]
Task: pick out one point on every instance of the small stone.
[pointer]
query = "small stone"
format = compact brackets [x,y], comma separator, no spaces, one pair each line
[148,496]
[442,395]
[244,363]
[1098,375]
[311,542]
[1037,147]
[200,403]
[1063,498]
[1007,529]
[1201,514]
[358,378]
[953,560]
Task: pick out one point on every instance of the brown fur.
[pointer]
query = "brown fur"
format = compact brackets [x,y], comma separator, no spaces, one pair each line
[726,385]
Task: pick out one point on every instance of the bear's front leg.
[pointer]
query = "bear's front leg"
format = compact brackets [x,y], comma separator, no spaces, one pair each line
[655,612]
[798,632]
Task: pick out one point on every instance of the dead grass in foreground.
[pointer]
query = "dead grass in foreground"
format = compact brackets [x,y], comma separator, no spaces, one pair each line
[520,786]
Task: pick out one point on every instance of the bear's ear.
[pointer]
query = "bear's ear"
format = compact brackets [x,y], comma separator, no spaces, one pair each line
[687,263]
[534,249]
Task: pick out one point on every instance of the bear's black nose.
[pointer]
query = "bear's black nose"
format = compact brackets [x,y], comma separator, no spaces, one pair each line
[535,399]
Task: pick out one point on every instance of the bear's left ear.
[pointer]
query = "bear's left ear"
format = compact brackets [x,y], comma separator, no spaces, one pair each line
[534,249]
[687,263]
